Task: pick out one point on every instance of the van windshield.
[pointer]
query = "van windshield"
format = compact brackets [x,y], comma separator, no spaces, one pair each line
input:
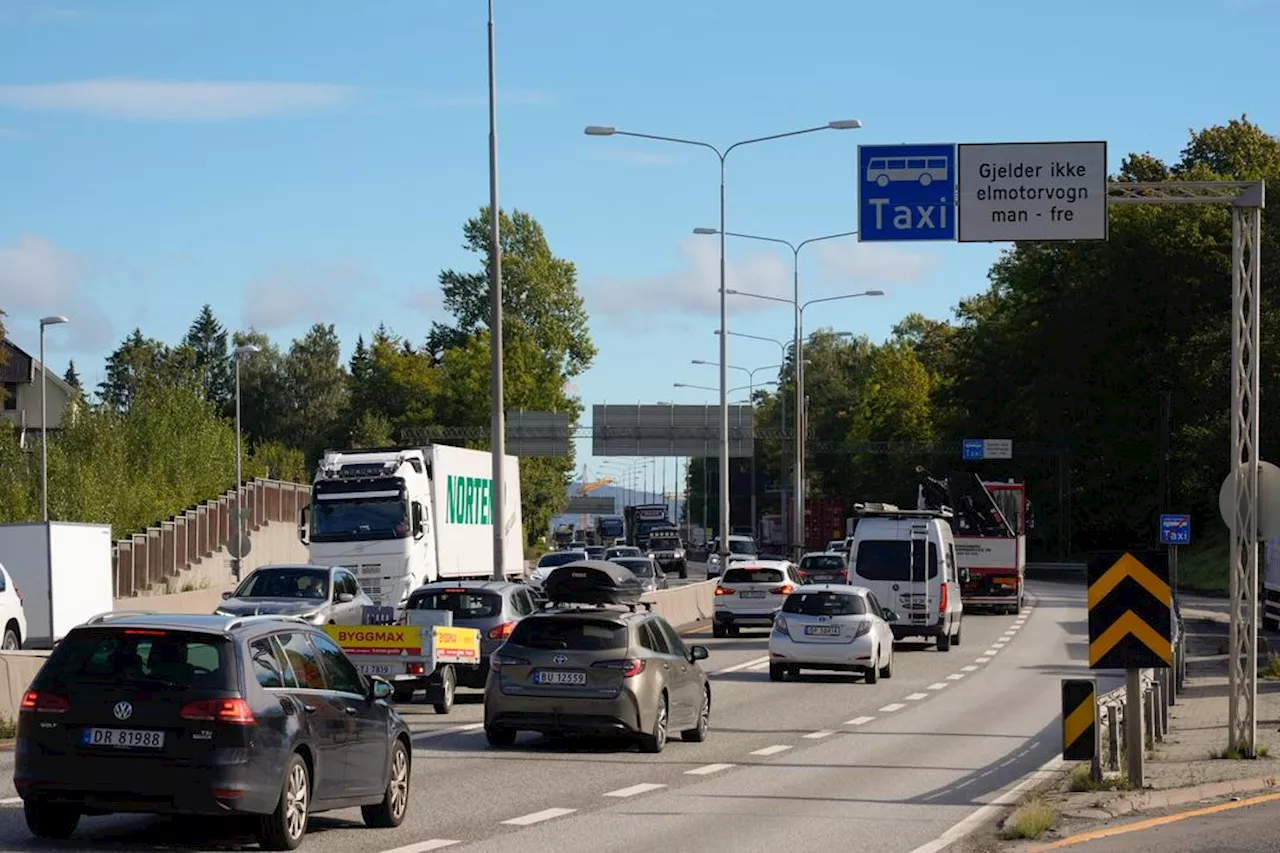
[893,560]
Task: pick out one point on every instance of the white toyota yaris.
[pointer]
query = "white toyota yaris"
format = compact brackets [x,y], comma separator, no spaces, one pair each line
[832,627]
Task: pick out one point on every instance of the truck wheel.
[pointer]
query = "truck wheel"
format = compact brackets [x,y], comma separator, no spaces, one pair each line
[944,642]
[955,638]
[444,692]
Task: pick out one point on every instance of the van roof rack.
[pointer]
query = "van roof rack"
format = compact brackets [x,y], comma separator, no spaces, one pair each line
[882,510]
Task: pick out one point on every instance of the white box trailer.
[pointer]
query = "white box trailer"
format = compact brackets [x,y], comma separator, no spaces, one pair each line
[64,572]
[462,502]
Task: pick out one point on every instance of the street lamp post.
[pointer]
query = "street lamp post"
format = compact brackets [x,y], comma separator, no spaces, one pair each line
[498,420]
[240,353]
[45,322]
[751,395]
[802,416]
[596,130]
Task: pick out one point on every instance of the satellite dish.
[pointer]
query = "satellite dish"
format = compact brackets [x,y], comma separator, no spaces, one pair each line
[1268,500]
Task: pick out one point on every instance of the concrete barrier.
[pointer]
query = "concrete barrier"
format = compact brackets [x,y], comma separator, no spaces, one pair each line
[17,669]
[684,605]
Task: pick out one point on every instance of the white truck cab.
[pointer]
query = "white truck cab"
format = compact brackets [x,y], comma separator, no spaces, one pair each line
[908,559]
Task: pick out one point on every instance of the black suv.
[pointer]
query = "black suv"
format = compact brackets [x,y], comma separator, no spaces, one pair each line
[208,715]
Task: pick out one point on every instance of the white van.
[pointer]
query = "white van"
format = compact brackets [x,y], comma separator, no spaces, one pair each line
[908,559]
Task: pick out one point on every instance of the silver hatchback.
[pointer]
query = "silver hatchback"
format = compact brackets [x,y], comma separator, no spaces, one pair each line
[491,607]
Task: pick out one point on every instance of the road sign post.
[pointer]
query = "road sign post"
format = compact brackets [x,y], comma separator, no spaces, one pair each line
[978,449]
[906,192]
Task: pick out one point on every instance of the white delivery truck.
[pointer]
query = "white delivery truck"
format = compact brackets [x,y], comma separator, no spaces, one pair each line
[64,572]
[402,517]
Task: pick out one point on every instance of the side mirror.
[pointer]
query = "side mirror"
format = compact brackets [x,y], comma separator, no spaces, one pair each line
[418,532]
[345,598]
[227,594]
[698,653]
[379,688]
[964,575]
[890,616]
[304,516]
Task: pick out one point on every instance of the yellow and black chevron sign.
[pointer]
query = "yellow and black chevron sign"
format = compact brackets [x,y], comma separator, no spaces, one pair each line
[1130,603]
[1079,719]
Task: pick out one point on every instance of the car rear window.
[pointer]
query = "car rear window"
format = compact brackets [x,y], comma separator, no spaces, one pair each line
[893,560]
[753,576]
[559,559]
[145,657]
[462,603]
[824,604]
[639,568]
[586,635]
[810,564]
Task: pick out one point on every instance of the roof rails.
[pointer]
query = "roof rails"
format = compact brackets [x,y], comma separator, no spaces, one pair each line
[883,510]
[576,605]
[241,621]
[99,618]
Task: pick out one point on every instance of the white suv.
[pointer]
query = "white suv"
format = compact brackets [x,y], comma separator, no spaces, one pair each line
[750,594]
[742,549]
[13,621]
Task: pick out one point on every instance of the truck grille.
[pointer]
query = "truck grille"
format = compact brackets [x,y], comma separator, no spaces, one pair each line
[370,577]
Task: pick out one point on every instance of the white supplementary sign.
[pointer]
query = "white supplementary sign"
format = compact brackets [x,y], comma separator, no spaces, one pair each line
[997,448]
[1032,191]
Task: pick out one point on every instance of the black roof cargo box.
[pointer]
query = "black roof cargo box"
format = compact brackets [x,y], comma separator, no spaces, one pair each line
[592,582]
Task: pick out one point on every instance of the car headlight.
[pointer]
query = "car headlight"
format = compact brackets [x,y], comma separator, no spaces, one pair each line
[315,617]
[221,612]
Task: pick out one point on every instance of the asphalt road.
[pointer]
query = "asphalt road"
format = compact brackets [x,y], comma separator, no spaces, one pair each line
[824,763]
[1237,828]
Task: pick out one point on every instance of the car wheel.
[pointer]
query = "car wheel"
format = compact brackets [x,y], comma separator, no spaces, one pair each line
[655,742]
[11,642]
[395,801]
[777,672]
[944,642]
[448,686]
[735,631]
[719,631]
[499,737]
[955,638]
[285,827]
[684,573]
[698,733]
[404,694]
[873,673]
[50,820]
[886,671]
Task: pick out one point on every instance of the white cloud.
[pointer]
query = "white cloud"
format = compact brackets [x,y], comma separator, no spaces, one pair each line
[638,158]
[695,288]
[38,278]
[301,294]
[851,261]
[513,99]
[169,100]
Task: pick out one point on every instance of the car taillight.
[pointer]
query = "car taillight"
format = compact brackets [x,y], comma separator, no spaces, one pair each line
[497,662]
[785,589]
[415,668]
[44,703]
[724,590]
[235,712]
[942,600]
[780,624]
[502,631]
[631,667]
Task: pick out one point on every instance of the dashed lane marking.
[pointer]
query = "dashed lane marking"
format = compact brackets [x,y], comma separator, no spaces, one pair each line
[771,750]
[937,685]
[956,676]
[889,709]
[969,668]
[424,846]
[538,817]
[818,735]
[455,730]
[990,653]
[635,790]
[858,721]
[981,660]
[998,646]
[741,666]
[708,769]
[916,697]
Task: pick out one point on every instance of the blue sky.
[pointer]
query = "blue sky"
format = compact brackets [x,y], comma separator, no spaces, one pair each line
[296,162]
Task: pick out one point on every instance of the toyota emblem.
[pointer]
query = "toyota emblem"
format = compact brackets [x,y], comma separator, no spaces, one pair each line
[558,659]
[123,710]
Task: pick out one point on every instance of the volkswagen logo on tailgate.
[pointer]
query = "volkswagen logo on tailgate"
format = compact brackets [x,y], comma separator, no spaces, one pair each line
[123,710]
[558,659]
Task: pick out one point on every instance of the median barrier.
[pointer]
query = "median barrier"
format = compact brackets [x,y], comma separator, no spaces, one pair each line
[684,605]
[17,669]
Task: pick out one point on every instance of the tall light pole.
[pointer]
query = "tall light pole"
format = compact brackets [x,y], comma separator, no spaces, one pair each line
[498,426]
[751,394]
[240,353]
[802,415]
[596,130]
[45,323]
[797,525]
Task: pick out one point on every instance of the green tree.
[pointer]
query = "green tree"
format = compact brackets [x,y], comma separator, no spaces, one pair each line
[71,377]
[206,340]
[264,413]
[140,361]
[318,389]
[19,498]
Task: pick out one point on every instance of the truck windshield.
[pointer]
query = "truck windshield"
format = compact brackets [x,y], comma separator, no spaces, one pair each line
[354,519]
[741,546]
[666,543]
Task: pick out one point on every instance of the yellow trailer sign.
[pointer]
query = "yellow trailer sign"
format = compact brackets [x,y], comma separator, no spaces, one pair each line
[377,639]
[457,645]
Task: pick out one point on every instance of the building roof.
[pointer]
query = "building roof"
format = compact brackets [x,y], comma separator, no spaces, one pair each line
[20,367]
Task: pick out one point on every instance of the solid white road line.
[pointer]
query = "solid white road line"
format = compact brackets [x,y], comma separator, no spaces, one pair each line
[771,750]
[760,667]
[707,769]
[635,790]
[741,666]
[956,676]
[858,721]
[889,709]
[987,812]
[423,846]
[916,697]
[538,817]
[818,735]
[937,685]
[454,730]
[969,668]
[11,801]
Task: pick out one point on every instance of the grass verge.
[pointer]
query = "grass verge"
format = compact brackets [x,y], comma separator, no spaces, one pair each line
[1272,669]
[1081,780]
[1203,568]
[8,728]
[1030,820]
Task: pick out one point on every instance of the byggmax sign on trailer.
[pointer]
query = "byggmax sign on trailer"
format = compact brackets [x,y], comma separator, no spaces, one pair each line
[983,193]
